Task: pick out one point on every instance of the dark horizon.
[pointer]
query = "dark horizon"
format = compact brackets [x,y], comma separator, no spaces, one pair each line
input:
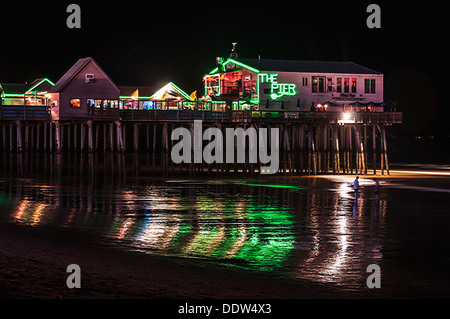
[142,46]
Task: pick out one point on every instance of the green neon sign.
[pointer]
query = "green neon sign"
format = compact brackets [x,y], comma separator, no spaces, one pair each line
[278,90]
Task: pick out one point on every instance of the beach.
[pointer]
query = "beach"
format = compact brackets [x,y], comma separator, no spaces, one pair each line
[198,239]
[35,268]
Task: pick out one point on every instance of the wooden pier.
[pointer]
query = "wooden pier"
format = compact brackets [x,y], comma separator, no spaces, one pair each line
[310,142]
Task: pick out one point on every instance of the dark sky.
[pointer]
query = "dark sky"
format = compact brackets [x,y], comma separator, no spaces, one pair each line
[140,44]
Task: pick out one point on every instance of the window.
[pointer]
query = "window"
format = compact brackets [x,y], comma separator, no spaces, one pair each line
[318,84]
[330,85]
[94,103]
[353,85]
[76,103]
[305,82]
[339,85]
[346,85]
[148,105]
[89,78]
[249,87]
[105,104]
[369,86]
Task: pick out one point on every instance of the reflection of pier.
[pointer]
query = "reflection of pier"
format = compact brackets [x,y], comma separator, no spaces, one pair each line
[191,221]
[259,226]
[310,142]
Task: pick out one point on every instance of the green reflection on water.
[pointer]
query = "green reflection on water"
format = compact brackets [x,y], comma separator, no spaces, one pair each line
[219,226]
[261,236]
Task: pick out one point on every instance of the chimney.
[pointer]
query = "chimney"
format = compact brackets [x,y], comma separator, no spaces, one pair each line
[234,54]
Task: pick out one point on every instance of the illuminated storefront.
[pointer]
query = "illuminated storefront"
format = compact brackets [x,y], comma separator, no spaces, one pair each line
[281,85]
[168,97]
[34,93]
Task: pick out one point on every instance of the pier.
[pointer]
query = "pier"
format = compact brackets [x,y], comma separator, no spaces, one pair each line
[310,143]
[331,117]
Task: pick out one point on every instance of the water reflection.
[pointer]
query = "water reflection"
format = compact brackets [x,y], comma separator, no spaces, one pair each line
[300,228]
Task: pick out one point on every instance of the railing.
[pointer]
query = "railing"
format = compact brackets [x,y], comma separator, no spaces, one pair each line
[263,116]
[42,113]
[24,112]
[94,112]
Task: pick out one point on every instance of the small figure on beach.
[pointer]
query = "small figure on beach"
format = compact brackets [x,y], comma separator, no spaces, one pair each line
[356,184]
[377,186]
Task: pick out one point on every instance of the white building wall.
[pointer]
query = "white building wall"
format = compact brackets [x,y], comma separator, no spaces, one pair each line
[305,97]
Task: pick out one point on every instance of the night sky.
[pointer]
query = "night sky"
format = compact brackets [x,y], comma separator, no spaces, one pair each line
[140,44]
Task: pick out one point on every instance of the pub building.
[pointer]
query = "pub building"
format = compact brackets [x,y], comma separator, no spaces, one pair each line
[34,93]
[283,85]
[86,91]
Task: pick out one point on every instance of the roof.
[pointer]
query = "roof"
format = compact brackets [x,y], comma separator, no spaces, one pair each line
[307,66]
[142,91]
[38,85]
[14,88]
[170,90]
[74,71]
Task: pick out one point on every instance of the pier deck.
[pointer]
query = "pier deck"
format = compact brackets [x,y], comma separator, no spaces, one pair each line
[309,143]
[43,113]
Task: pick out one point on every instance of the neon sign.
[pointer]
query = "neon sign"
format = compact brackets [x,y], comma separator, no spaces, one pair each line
[278,90]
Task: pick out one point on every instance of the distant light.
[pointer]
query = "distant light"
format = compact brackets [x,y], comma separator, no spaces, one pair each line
[347,118]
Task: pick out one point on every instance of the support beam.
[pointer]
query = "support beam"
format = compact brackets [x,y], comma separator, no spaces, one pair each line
[19,136]
[90,136]
[58,136]
[136,137]
[119,139]
[374,149]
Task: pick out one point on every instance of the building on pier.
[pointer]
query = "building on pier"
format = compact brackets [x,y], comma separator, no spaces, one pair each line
[34,93]
[305,100]
[84,91]
[165,97]
[283,85]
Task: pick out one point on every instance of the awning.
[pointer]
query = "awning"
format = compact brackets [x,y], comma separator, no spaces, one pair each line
[330,103]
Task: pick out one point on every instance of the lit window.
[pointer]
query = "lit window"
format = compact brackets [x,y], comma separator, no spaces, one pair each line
[318,84]
[369,86]
[330,85]
[75,103]
[346,85]
[353,85]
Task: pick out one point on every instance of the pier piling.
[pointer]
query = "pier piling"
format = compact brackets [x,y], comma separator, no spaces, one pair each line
[310,148]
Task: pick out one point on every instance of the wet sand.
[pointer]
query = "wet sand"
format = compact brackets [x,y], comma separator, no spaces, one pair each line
[35,267]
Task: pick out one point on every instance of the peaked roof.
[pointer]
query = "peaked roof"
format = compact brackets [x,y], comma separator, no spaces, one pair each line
[74,71]
[307,66]
[142,91]
[38,85]
[170,90]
